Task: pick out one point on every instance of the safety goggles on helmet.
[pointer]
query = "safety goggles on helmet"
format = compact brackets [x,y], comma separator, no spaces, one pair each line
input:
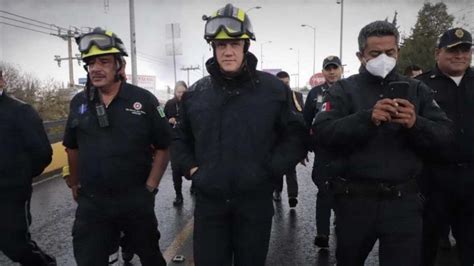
[233,27]
[102,41]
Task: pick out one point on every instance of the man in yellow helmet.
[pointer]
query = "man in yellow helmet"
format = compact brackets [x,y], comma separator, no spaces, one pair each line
[117,144]
[236,132]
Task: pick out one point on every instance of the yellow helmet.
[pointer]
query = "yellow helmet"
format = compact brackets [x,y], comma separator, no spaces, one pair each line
[226,23]
[100,42]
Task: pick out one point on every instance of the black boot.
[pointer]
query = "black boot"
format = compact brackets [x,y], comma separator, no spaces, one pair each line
[178,201]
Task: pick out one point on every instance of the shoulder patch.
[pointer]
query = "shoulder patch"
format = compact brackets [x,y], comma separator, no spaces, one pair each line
[160,111]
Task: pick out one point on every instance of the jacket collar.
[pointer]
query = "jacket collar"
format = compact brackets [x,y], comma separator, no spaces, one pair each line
[438,73]
[247,72]
[124,91]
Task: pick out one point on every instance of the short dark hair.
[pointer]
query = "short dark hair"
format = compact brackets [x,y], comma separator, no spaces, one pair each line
[411,68]
[377,28]
[282,75]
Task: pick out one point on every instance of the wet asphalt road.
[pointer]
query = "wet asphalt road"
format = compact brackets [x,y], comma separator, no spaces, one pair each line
[291,243]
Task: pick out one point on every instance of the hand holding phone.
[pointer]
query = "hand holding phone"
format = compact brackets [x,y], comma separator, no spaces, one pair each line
[405,114]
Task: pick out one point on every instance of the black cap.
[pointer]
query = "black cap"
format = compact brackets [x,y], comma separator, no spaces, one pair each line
[331,60]
[454,37]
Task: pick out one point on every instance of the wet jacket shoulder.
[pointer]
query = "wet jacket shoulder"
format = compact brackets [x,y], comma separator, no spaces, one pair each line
[238,131]
[26,150]
[458,103]
[345,124]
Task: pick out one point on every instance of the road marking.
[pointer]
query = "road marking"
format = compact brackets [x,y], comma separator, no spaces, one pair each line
[46,179]
[179,241]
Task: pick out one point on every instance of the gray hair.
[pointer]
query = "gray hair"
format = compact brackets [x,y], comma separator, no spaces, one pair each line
[377,28]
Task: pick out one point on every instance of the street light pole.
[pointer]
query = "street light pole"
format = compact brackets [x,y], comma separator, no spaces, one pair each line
[314,45]
[261,53]
[298,65]
[341,2]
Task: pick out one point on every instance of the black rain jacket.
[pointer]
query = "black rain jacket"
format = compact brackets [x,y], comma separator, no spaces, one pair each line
[239,131]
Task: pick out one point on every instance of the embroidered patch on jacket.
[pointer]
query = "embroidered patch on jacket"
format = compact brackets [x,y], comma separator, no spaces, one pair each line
[326,107]
[160,111]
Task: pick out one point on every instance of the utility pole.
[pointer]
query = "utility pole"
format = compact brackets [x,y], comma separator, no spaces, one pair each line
[187,69]
[341,2]
[174,53]
[68,36]
[133,41]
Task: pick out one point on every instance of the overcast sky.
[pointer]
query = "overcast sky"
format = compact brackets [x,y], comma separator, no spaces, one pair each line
[277,21]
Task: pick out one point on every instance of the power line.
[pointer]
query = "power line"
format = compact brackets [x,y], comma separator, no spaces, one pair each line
[37,21]
[153,59]
[47,33]
[20,21]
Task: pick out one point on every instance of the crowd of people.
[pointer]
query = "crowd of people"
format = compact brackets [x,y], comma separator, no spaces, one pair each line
[393,154]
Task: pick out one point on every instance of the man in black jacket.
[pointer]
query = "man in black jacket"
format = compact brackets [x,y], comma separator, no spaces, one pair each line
[379,122]
[237,131]
[172,107]
[24,153]
[322,165]
[291,178]
[448,180]
[117,142]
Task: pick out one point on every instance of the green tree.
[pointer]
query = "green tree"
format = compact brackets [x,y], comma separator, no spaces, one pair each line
[419,47]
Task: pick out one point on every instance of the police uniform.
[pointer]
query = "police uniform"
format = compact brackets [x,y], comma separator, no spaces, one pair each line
[24,154]
[376,194]
[448,178]
[325,163]
[319,175]
[114,164]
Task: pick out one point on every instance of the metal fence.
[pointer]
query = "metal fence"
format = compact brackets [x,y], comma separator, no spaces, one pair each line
[55,130]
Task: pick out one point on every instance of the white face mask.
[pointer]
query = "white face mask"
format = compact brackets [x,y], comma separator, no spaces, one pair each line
[381,65]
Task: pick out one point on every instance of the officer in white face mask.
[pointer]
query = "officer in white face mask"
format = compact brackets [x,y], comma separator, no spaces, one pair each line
[379,123]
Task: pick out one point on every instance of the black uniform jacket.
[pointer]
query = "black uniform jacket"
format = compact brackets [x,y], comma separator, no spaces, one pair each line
[326,164]
[458,103]
[313,103]
[172,108]
[239,131]
[118,157]
[24,147]
[389,152]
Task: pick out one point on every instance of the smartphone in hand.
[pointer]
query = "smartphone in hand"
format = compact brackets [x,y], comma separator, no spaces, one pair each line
[398,89]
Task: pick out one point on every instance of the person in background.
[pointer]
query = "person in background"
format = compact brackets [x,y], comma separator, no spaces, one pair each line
[172,107]
[413,71]
[323,169]
[448,178]
[291,178]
